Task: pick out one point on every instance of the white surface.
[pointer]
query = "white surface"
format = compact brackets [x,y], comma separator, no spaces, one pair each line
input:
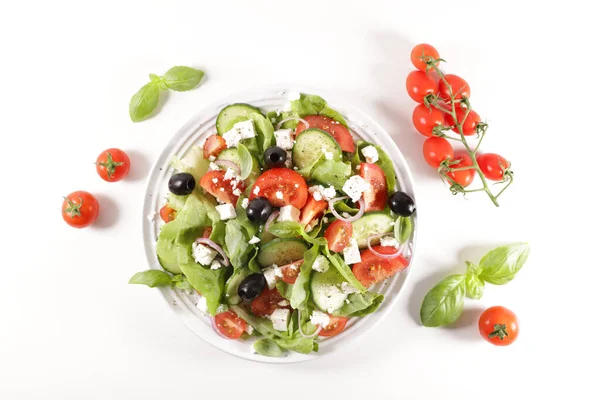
[72,328]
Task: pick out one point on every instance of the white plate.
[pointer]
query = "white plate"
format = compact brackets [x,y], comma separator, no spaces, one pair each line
[202,125]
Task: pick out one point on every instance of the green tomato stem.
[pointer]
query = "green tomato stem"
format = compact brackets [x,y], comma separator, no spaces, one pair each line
[499,332]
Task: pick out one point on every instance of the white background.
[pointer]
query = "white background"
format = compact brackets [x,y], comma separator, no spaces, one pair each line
[71,327]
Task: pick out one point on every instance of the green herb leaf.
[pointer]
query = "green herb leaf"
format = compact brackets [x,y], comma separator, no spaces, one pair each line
[500,265]
[182,78]
[144,102]
[309,104]
[344,270]
[403,229]
[474,283]
[152,278]
[246,163]
[359,305]
[301,290]
[443,304]
[236,244]
[330,172]
[267,347]
[286,229]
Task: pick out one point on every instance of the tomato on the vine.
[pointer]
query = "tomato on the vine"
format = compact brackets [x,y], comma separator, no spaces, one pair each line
[460,87]
[463,177]
[113,165]
[499,326]
[419,85]
[493,166]
[80,209]
[436,150]
[425,119]
[420,51]
[470,124]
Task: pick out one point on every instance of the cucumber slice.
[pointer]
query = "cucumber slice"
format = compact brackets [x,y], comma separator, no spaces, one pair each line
[232,155]
[232,114]
[310,145]
[325,290]
[231,286]
[266,236]
[369,224]
[281,252]
[172,267]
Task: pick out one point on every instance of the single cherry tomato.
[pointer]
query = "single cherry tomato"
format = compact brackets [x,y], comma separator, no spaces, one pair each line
[374,269]
[266,303]
[463,177]
[436,150]
[290,272]
[419,85]
[377,195]
[213,146]
[460,87]
[338,235]
[167,214]
[493,166]
[312,209]
[335,326]
[470,124]
[425,119]
[214,182]
[282,187]
[340,133]
[80,209]
[499,326]
[113,165]
[230,324]
[420,51]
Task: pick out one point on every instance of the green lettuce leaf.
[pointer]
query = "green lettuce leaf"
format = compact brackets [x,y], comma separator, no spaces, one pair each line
[236,244]
[309,104]
[301,289]
[284,289]
[267,347]
[193,162]
[344,270]
[331,172]
[359,305]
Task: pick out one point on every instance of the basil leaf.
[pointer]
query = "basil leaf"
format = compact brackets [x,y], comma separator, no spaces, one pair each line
[500,265]
[182,78]
[152,278]
[443,304]
[144,102]
[403,229]
[267,347]
[474,283]
[245,161]
[286,229]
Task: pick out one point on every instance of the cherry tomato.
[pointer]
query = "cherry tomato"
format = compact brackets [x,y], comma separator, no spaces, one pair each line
[340,133]
[282,187]
[499,326]
[338,235]
[80,209]
[113,165]
[423,50]
[493,166]
[376,197]
[419,85]
[290,272]
[230,324]
[213,146]
[312,210]
[167,214]
[374,269]
[266,303]
[460,87]
[214,182]
[470,125]
[436,150]
[425,119]
[464,177]
[335,327]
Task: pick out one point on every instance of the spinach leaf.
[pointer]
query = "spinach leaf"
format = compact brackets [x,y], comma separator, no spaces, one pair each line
[359,305]
[152,278]
[236,244]
[301,289]
[443,304]
[501,265]
[267,347]
[286,229]
[331,172]
[403,229]
[262,325]
[284,289]
[344,270]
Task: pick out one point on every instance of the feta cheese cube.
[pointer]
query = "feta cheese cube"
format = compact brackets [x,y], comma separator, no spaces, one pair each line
[283,303]
[230,174]
[289,213]
[321,264]
[245,203]
[203,254]
[201,305]
[284,139]
[371,154]
[389,241]
[355,186]
[226,211]
[253,240]
[271,274]
[256,190]
[240,131]
[320,192]
[237,192]
[212,158]
[317,195]
[279,195]
[319,318]
[280,318]
[215,265]
[352,253]
[215,180]
[347,288]
[249,329]
[213,167]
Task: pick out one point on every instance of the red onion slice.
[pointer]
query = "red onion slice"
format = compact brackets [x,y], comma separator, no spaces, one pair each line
[216,247]
[304,335]
[378,254]
[229,164]
[353,218]
[273,215]
[213,323]
[293,119]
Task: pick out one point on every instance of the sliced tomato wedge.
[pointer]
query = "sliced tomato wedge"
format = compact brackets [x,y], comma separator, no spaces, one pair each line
[376,197]
[167,214]
[282,187]
[290,272]
[214,183]
[335,327]
[374,269]
[213,146]
[230,324]
[207,232]
[312,209]
[266,303]
[340,133]
[338,235]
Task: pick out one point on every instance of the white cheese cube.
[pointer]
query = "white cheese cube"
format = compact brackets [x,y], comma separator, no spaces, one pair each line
[230,174]
[355,186]
[289,213]
[389,241]
[371,154]
[245,203]
[203,254]
[201,305]
[280,318]
[284,139]
[321,264]
[352,253]
[249,329]
[215,265]
[253,240]
[240,131]
[319,318]
[226,211]
[283,303]
[271,274]
[213,167]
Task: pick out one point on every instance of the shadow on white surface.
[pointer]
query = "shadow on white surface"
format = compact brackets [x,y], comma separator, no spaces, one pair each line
[466,327]
[109,212]
[140,166]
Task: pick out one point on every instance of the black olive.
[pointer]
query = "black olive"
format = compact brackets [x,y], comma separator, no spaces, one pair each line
[402,204]
[182,183]
[275,157]
[259,210]
[252,286]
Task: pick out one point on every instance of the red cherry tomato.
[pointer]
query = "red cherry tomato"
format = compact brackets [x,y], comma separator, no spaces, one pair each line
[376,197]
[213,146]
[266,303]
[340,133]
[499,326]
[167,214]
[113,165]
[80,209]
[436,150]
[493,166]
[282,187]
[312,209]
[460,87]
[290,272]
[425,119]
[374,269]
[423,50]
[419,85]
[470,124]
[214,182]
[335,327]
[230,324]
[465,176]
[338,235]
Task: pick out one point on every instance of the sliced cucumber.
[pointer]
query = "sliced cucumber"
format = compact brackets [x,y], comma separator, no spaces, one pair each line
[172,267]
[231,286]
[232,155]
[372,223]
[266,236]
[281,252]
[232,114]
[310,146]
[325,290]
